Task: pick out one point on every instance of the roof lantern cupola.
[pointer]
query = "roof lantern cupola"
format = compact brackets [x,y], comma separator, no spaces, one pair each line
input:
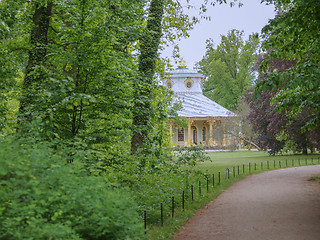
[184,80]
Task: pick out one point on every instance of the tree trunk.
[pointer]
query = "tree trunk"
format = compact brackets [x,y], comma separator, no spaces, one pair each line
[251,143]
[37,55]
[144,84]
[305,150]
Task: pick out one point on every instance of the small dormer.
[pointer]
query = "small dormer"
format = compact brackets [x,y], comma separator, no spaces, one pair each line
[184,80]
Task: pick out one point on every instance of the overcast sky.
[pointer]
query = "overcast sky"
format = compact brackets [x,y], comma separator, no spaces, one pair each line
[251,17]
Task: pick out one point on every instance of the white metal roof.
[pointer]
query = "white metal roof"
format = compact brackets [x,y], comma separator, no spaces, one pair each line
[198,105]
[194,103]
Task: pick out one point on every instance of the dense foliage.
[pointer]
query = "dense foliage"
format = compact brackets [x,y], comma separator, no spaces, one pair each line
[44,197]
[294,35]
[76,83]
[276,130]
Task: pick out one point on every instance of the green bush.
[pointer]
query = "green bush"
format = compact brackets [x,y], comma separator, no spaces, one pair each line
[190,155]
[44,197]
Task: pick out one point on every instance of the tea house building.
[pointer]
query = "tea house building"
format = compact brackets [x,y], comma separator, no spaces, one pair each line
[206,120]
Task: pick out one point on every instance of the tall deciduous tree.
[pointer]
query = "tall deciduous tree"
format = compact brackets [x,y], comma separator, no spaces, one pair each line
[275,129]
[96,68]
[37,57]
[228,68]
[147,65]
[9,63]
[78,67]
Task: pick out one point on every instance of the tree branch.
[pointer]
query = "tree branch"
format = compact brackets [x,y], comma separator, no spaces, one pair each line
[246,140]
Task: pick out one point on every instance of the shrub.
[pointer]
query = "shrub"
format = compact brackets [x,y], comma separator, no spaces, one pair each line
[157,180]
[44,197]
[190,155]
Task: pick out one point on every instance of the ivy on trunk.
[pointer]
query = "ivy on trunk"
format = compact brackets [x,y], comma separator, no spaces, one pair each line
[144,84]
[36,58]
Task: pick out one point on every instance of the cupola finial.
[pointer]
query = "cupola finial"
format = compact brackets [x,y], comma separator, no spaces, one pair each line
[182,63]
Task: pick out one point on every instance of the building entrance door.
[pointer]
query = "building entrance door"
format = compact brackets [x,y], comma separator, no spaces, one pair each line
[194,135]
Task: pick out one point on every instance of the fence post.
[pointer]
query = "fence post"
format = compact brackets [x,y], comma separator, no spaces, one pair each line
[192,192]
[219,177]
[172,207]
[207,185]
[161,207]
[145,221]
[234,171]
[249,168]
[183,200]
[213,180]
[200,188]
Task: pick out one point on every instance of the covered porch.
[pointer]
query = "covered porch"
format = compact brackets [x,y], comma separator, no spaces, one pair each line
[206,131]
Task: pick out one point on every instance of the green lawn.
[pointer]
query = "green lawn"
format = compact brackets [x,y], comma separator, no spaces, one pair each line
[258,160]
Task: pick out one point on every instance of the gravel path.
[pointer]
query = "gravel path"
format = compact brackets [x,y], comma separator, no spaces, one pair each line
[276,205]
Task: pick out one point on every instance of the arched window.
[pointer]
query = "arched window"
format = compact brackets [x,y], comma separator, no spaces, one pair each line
[180,134]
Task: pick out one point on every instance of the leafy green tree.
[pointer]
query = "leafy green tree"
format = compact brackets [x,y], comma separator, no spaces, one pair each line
[147,65]
[37,56]
[294,35]
[10,62]
[91,91]
[228,68]
[275,129]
